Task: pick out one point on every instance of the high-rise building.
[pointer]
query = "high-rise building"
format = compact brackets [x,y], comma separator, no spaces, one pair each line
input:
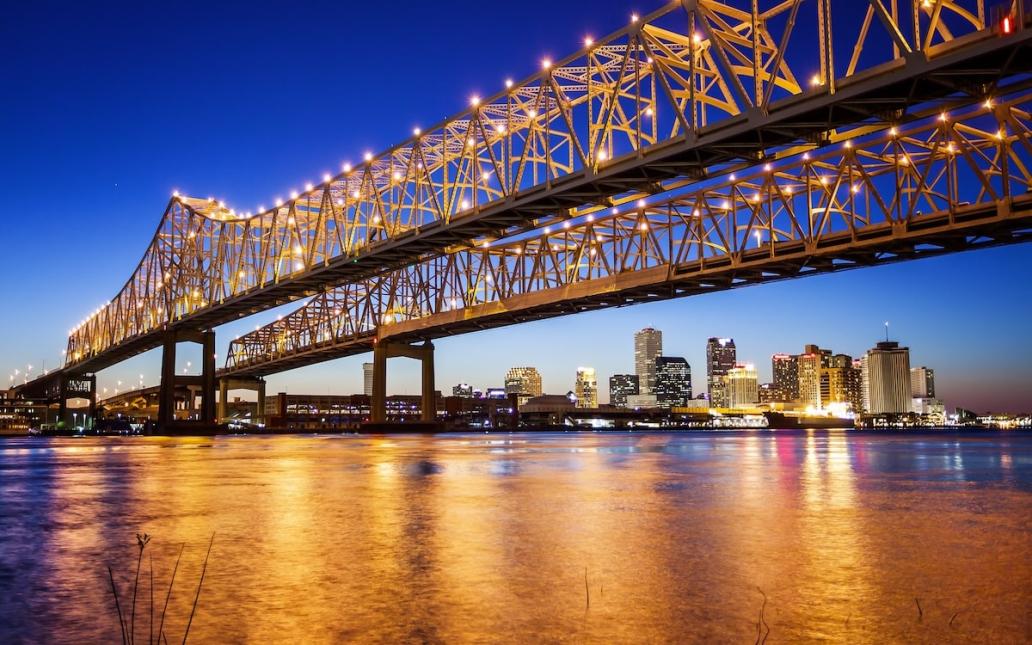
[855,386]
[367,379]
[587,388]
[810,365]
[648,345]
[673,385]
[464,390]
[524,382]
[922,382]
[742,390]
[886,369]
[768,393]
[785,368]
[720,357]
[622,386]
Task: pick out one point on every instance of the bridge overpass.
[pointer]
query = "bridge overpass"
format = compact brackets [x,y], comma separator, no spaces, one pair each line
[697,89]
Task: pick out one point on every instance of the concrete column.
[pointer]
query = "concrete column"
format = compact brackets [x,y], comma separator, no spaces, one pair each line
[167,387]
[378,407]
[429,407]
[208,378]
[259,416]
[223,403]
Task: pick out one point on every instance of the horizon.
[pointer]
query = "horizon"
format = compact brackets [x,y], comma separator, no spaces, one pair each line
[151,117]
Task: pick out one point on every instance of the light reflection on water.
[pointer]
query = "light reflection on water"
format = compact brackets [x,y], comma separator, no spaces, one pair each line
[677,537]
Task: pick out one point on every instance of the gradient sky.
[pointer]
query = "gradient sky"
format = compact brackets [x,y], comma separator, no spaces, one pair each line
[105,110]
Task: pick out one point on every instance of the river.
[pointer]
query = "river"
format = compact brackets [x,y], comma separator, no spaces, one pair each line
[707,537]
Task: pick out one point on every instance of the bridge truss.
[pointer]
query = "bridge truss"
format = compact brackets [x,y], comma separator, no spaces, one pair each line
[698,88]
[951,182]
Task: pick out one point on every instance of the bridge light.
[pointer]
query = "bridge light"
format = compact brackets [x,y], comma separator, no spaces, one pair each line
[588,42]
[644,226]
[893,131]
[634,17]
[416,131]
[988,104]
[485,176]
[591,218]
[648,111]
[943,117]
[326,178]
[1005,25]
[500,128]
[815,80]
[346,167]
[464,204]
[696,38]
[474,100]
[546,63]
[175,193]
[508,83]
[548,229]
[566,225]
[766,167]
[293,194]
[279,202]
[641,203]
[602,155]
[309,186]
[368,156]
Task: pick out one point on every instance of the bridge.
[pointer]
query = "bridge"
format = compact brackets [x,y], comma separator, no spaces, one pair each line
[704,146]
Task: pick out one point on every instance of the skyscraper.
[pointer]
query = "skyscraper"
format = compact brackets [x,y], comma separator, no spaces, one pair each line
[587,388]
[367,377]
[811,363]
[785,368]
[524,382]
[648,345]
[673,385]
[887,379]
[922,382]
[741,386]
[622,386]
[720,357]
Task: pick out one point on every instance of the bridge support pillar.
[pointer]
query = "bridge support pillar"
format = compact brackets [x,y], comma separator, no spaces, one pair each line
[423,353]
[167,388]
[227,383]
[259,413]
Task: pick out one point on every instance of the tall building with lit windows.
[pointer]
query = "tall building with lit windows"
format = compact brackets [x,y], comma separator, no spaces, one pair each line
[886,369]
[922,382]
[367,379]
[785,368]
[741,387]
[811,364]
[586,388]
[524,382]
[648,346]
[673,386]
[622,386]
[721,356]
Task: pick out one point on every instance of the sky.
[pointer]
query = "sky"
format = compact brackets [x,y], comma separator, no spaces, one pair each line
[105,108]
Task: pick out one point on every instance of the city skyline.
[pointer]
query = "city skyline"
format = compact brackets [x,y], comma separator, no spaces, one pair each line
[79,260]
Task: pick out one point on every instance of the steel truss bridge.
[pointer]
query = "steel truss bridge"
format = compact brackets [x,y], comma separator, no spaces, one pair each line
[710,144]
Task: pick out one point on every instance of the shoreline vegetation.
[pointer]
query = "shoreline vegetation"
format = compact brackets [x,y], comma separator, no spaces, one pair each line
[127,623]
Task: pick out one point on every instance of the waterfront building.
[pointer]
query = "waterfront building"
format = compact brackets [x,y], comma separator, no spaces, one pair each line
[524,382]
[886,371]
[810,364]
[741,386]
[622,386]
[931,410]
[785,368]
[768,394]
[464,390]
[720,357]
[838,381]
[922,382]
[673,386]
[648,346]
[586,388]
[367,379]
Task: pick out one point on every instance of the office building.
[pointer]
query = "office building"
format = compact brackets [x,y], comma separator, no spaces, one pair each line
[886,369]
[931,410]
[922,382]
[622,386]
[464,390]
[785,368]
[741,386]
[673,385]
[524,382]
[648,345]
[586,388]
[720,357]
[367,379]
[810,365]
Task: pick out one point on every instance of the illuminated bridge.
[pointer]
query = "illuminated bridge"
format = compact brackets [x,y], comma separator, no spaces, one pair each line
[708,145]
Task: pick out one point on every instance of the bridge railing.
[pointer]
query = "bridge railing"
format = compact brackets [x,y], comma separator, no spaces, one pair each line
[935,171]
[679,72]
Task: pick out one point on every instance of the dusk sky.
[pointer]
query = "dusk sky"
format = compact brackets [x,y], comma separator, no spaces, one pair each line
[107,109]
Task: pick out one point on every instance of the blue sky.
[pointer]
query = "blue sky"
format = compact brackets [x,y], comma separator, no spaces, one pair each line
[106,110]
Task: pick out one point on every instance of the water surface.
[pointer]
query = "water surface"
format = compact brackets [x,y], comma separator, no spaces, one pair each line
[561,537]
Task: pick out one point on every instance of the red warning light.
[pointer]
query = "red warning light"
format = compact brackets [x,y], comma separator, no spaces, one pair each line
[1006,25]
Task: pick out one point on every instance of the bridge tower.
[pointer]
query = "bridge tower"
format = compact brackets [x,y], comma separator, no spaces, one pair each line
[167,422]
[423,353]
[227,383]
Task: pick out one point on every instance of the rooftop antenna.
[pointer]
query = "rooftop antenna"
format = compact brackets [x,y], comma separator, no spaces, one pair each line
[886,331]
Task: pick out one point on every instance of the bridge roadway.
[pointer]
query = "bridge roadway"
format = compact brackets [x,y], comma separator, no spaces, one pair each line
[950,183]
[761,119]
